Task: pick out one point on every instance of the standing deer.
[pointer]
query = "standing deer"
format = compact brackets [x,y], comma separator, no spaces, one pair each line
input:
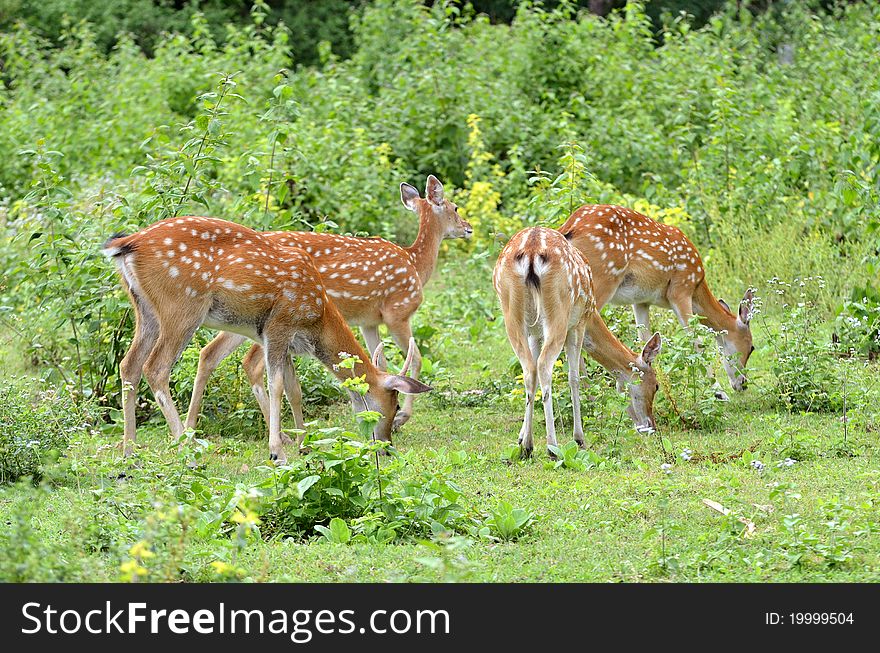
[639,261]
[371,280]
[181,273]
[546,294]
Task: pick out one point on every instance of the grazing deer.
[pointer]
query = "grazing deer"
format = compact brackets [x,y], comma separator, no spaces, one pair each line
[546,293]
[639,261]
[181,273]
[370,280]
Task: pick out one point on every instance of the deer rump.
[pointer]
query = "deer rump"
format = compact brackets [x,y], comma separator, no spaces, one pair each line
[546,293]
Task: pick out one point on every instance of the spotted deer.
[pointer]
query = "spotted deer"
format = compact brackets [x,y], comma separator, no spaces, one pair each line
[639,261]
[371,281]
[181,273]
[546,293]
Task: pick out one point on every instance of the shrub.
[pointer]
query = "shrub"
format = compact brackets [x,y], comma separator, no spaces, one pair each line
[35,425]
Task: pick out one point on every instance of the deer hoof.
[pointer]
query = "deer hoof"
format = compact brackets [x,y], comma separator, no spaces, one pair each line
[580,443]
[551,454]
[720,395]
[525,452]
[278,459]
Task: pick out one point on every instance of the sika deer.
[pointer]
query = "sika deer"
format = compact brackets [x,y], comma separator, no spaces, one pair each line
[181,273]
[546,294]
[639,261]
[371,280]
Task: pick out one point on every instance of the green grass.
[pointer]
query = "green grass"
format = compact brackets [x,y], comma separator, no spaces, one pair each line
[628,521]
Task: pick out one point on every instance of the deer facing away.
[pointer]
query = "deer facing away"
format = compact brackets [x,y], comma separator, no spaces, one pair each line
[546,294]
[639,261]
[370,280]
[181,273]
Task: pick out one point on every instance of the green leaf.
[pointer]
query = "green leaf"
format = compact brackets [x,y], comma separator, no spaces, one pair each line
[303,485]
[338,533]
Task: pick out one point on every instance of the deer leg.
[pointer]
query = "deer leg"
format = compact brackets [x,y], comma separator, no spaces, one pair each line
[401,332]
[254,364]
[572,355]
[553,343]
[146,332]
[275,357]
[522,348]
[643,321]
[293,392]
[158,366]
[549,353]
[212,354]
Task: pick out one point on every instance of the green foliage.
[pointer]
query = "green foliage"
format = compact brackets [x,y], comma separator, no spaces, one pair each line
[691,372]
[857,327]
[506,522]
[804,367]
[36,424]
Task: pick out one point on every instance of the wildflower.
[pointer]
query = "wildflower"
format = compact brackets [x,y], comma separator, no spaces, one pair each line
[687,454]
[141,550]
[130,571]
[788,462]
[666,467]
[758,465]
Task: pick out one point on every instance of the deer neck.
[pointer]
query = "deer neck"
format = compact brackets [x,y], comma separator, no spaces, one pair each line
[336,337]
[607,350]
[426,248]
[714,314]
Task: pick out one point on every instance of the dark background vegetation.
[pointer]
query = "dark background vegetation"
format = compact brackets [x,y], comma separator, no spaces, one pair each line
[752,126]
[310,21]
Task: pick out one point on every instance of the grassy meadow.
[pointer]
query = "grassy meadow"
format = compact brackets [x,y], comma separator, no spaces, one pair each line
[757,133]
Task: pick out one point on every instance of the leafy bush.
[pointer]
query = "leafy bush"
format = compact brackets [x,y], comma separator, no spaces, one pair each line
[857,328]
[36,424]
[690,375]
[804,364]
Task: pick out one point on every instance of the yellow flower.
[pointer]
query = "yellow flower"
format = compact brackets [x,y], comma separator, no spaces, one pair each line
[222,568]
[249,518]
[131,570]
[141,550]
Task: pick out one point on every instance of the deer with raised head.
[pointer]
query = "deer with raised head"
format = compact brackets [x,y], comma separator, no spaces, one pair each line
[185,272]
[546,294]
[372,281]
[639,261]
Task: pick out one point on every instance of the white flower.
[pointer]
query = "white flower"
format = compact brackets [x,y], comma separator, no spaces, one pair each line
[666,468]
[758,465]
[788,462]
[687,454]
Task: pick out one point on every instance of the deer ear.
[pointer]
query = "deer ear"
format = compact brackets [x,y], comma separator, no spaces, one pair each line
[434,190]
[405,385]
[724,304]
[746,306]
[409,195]
[651,349]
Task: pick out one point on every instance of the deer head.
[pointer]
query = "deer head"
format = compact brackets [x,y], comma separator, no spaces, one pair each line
[736,344]
[436,207]
[642,387]
[382,396]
